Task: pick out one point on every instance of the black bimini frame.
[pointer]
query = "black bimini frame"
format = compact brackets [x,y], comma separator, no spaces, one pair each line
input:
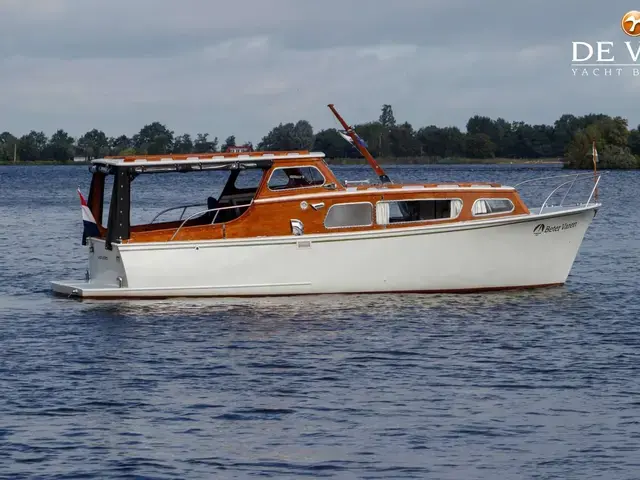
[119,223]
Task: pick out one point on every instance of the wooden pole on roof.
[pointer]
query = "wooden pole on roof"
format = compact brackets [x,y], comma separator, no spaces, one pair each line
[357,142]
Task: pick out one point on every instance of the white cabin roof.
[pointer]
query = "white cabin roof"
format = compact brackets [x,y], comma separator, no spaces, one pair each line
[209,158]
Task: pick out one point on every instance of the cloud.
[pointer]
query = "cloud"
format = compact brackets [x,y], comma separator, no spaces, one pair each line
[242,67]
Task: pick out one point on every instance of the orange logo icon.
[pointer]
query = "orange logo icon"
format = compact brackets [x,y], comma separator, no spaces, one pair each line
[631,23]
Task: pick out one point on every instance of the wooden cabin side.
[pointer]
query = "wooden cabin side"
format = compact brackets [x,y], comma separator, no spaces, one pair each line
[273,209]
[273,218]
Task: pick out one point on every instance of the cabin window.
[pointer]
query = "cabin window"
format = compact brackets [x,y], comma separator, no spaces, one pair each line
[285,178]
[492,206]
[248,179]
[344,215]
[154,201]
[406,211]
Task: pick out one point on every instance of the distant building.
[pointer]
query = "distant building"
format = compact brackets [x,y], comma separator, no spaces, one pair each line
[239,149]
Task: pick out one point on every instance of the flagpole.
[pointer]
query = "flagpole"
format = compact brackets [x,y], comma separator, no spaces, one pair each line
[594,154]
[356,142]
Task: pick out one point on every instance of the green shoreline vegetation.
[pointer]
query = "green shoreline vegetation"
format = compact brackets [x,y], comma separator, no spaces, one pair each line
[486,141]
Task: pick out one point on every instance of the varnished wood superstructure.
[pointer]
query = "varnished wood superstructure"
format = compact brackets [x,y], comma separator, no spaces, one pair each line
[270,211]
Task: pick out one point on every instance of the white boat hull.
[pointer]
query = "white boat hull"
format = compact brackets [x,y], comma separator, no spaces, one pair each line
[502,253]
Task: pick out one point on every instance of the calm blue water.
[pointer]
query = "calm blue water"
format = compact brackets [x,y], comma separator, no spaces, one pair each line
[538,384]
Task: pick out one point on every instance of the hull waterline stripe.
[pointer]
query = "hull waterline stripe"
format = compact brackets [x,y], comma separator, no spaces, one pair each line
[473,290]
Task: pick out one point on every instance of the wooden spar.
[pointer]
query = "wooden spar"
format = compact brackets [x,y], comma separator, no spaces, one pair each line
[384,178]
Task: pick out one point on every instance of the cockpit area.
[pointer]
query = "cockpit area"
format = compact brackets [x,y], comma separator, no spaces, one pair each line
[217,190]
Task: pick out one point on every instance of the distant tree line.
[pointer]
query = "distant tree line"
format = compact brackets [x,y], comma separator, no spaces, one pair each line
[154,138]
[570,138]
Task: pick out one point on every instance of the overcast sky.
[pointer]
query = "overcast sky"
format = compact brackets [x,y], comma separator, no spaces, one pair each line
[241,67]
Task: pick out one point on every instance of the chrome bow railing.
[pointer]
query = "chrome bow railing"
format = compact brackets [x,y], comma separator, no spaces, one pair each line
[217,210]
[574,178]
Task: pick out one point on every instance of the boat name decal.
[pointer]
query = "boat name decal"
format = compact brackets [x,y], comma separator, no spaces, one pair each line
[542,228]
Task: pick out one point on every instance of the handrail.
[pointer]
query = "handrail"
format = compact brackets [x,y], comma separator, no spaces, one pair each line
[356,182]
[207,211]
[572,182]
[184,209]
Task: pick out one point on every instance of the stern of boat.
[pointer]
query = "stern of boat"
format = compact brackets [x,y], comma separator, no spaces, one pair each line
[105,273]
